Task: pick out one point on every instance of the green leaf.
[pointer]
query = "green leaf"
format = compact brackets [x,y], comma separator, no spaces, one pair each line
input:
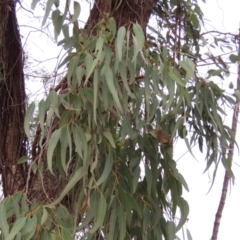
[237,93]
[47,235]
[79,174]
[72,67]
[231,86]
[121,222]
[153,107]
[234,58]
[194,19]
[34,4]
[102,207]
[64,145]
[136,176]
[189,147]
[175,76]
[99,47]
[107,169]
[92,211]
[107,134]
[24,205]
[138,40]
[77,10]
[123,73]
[181,179]
[135,205]
[127,129]
[119,42]
[18,225]
[3,220]
[95,94]
[177,126]
[16,208]
[146,219]
[112,25]
[89,65]
[51,147]
[113,220]
[80,142]
[170,231]
[57,23]
[110,82]
[213,72]
[184,209]
[65,30]
[30,228]
[149,178]
[47,11]
[55,103]
[44,215]
[28,117]
[41,114]
[22,159]
[189,66]
[66,234]
[80,72]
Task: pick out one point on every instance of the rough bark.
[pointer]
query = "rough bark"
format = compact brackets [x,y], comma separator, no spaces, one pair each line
[125,12]
[13,141]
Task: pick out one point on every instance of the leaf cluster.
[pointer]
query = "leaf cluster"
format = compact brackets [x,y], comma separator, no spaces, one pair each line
[21,221]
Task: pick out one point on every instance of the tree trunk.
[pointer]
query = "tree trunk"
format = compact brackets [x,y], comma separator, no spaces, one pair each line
[125,12]
[13,141]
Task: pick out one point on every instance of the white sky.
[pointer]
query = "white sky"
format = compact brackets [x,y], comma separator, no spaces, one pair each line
[224,15]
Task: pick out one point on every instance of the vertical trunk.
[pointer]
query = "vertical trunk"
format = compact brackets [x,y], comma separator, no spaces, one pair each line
[12,101]
[230,158]
[125,12]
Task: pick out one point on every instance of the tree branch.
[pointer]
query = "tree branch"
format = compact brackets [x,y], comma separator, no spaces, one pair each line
[230,157]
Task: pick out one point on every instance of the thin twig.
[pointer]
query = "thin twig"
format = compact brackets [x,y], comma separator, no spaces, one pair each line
[230,157]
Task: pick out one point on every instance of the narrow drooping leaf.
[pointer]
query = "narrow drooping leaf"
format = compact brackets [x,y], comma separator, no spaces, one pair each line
[3,220]
[47,11]
[110,82]
[18,225]
[102,207]
[120,41]
[82,171]
[107,169]
[28,117]
[57,23]
[77,10]
[107,134]
[52,145]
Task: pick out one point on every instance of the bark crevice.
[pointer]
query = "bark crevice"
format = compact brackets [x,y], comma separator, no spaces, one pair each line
[13,141]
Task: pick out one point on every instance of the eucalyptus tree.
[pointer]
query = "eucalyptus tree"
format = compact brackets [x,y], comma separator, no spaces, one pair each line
[101,159]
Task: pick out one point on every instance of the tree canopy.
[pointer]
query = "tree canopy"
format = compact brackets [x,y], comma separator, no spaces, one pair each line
[100,159]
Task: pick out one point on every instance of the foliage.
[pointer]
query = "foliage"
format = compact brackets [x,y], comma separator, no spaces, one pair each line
[109,136]
[37,220]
